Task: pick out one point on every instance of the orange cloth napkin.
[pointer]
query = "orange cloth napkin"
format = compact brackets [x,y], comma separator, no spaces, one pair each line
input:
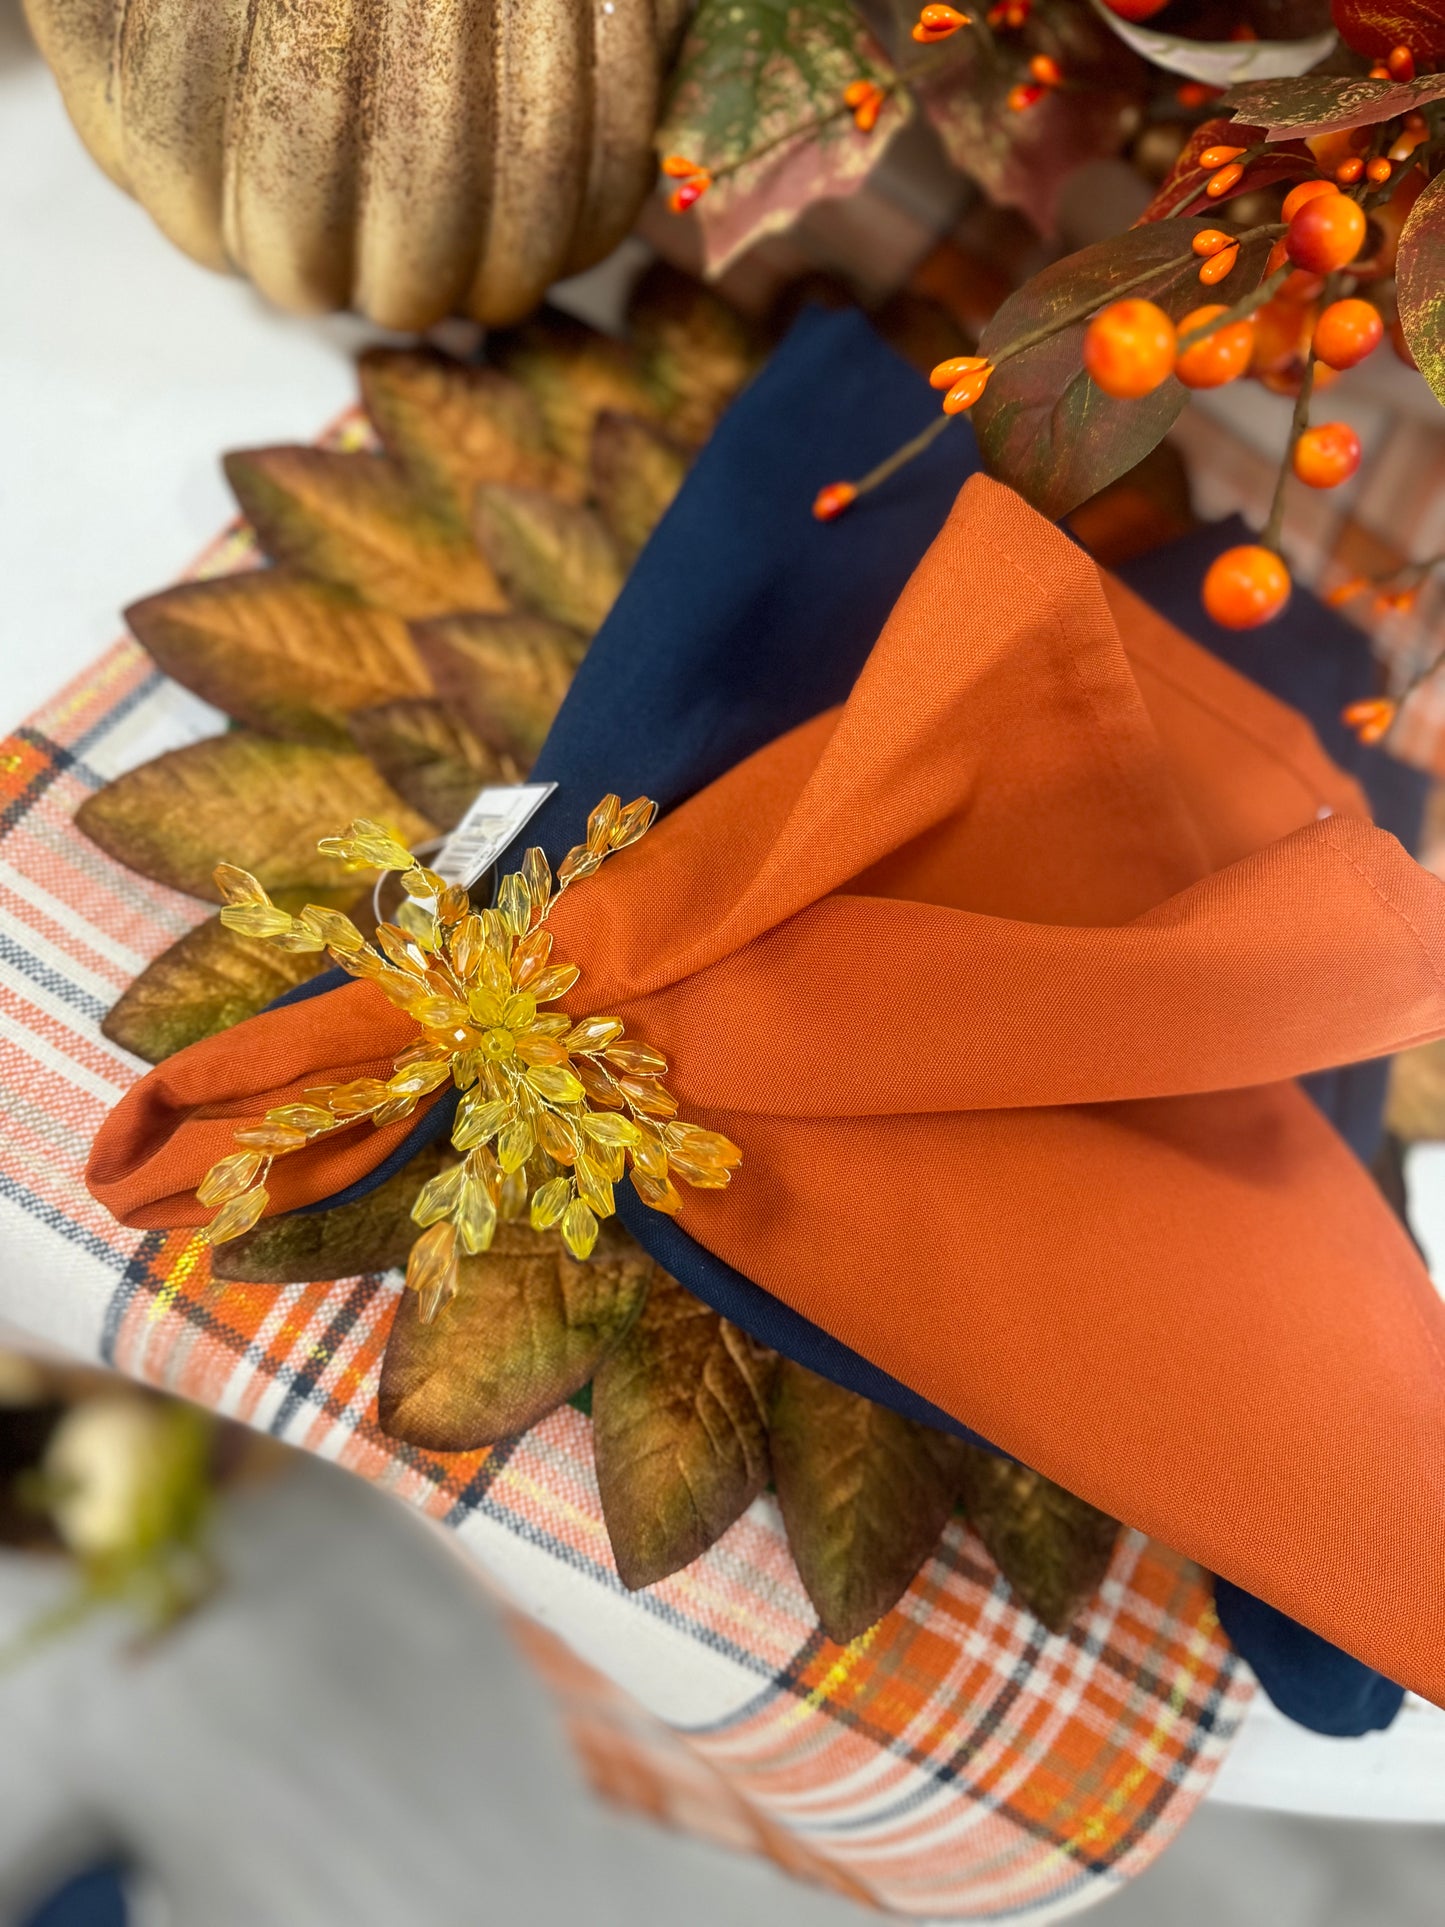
[998,975]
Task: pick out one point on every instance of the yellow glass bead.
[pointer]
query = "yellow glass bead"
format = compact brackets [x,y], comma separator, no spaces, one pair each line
[310,1118]
[393,1112]
[610,1129]
[428,1074]
[363,1094]
[255,920]
[229,1178]
[578,864]
[237,1216]
[520,1011]
[514,1146]
[274,1139]
[441,1013]
[499,1045]
[649,1155]
[466,1068]
[419,924]
[363,963]
[401,948]
[498,933]
[419,881]
[599,1084]
[485,1005]
[529,958]
[476,1216]
[611,1160]
[579,1229]
[452,905]
[659,1193]
[431,1270]
[494,974]
[641,1060]
[645,1094]
[438,1196]
[540,1050]
[512,1201]
[549,1202]
[555,1082]
[634,822]
[298,939]
[537,875]
[466,945]
[710,1146]
[551,1023]
[514,901]
[557,1136]
[601,823]
[555,982]
[336,931]
[594,1187]
[699,1173]
[238,886]
[483,1166]
[377,845]
[594,1033]
[479,1118]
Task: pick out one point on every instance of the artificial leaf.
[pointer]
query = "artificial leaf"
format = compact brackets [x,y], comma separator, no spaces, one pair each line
[696,351]
[1052,1548]
[528,1327]
[1415,1109]
[287,656]
[1043,426]
[636,471]
[1327,103]
[680,1432]
[554,558]
[244,799]
[1218,63]
[1375,28]
[1022,159]
[865,1494]
[431,756]
[1420,283]
[208,980]
[758,91]
[453,425]
[1186,180]
[353,520]
[504,675]
[374,1233]
[573,373]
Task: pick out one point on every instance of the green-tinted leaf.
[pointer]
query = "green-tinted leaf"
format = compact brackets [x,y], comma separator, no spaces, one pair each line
[750,74]
[527,1329]
[203,984]
[1420,284]
[373,1234]
[554,558]
[573,373]
[1375,27]
[1022,159]
[680,1432]
[636,471]
[1186,180]
[1051,1547]
[289,657]
[696,352]
[353,520]
[865,1494]
[452,426]
[1218,63]
[504,675]
[1327,103]
[243,799]
[431,756]
[1043,426]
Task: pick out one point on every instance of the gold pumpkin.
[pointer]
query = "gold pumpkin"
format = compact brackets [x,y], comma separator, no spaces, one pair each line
[408,158]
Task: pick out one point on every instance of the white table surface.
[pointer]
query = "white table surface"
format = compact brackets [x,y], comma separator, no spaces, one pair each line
[124,372]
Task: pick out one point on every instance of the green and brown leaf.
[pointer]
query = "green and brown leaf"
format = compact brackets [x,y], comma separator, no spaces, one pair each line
[680,1432]
[552,557]
[430,755]
[1052,1548]
[504,675]
[1420,283]
[373,1234]
[1327,103]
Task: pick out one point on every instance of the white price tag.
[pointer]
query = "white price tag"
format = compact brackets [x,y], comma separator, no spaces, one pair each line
[493,822]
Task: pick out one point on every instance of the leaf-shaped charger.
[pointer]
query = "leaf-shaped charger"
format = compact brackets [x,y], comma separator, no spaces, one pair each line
[553,558]
[373,1234]
[1051,1547]
[636,471]
[573,373]
[430,755]
[695,351]
[680,1432]
[504,675]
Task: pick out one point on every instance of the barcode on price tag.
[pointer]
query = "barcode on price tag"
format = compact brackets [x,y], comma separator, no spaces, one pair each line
[494,821]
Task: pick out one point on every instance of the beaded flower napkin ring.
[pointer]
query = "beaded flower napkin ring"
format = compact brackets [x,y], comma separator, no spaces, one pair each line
[552,1113]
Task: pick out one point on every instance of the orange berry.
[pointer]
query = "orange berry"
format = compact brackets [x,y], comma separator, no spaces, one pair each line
[1219,265]
[947,373]
[1026,94]
[1348,172]
[1136,9]
[678,167]
[1326,233]
[1217,156]
[1210,240]
[1046,70]
[1296,286]
[966,391]
[937,23]
[1396,601]
[1305,191]
[1220,357]
[1370,719]
[1326,456]
[1379,71]
[1192,93]
[1401,63]
[688,193]
[1245,587]
[1281,335]
[1344,592]
[830,502]
[1227,178]
[1347,331]
[1378,170]
[1129,349]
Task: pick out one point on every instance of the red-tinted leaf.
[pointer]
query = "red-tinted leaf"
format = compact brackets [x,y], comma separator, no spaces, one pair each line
[1326,104]
[1374,27]
[1185,181]
[1420,284]
[1043,426]
[1218,63]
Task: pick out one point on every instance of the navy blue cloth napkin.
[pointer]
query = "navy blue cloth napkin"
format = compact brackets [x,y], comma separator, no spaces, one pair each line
[744,617]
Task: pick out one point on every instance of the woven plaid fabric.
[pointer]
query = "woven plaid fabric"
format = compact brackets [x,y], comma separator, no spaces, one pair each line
[956,1762]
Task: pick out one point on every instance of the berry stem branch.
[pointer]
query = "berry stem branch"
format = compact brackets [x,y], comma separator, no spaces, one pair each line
[1299,422]
[902,456]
